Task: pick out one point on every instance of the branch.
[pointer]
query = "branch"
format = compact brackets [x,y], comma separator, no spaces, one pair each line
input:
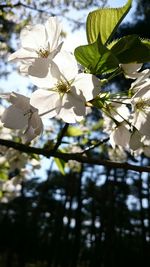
[26,6]
[72,156]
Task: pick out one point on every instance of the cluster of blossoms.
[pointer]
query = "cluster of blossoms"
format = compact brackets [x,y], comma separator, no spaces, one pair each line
[62,91]
[127,119]
[13,165]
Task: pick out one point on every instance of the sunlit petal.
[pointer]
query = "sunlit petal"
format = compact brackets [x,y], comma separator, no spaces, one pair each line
[14,118]
[72,109]
[45,101]
[88,84]
[67,65]
[22,54]
[44,73]
[33,36]
[53,30]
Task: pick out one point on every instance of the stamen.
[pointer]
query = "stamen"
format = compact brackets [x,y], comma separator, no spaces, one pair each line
[142,104]
[42,52]
[63,87]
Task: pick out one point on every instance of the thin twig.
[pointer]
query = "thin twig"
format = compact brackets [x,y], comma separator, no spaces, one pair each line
[91,147]
[26,6]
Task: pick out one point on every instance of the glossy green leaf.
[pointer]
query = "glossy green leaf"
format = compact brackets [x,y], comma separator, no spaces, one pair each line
[105,22]
[96,57]
[60,164]
[131,49]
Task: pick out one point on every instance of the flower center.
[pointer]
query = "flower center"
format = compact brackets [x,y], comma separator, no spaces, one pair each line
[42,52]
[142,104]
[63,87]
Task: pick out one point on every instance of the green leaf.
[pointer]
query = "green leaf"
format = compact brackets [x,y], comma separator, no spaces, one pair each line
[60,164]
[96,57]
[74,131]
[3,175]
[131,49]
[1,194]
[105,22]
[146,42]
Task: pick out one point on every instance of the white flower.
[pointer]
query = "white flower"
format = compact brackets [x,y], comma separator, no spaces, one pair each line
[142,81]
[131,70]
[66,91]
[120,136]
[117,113]
[141,110]
[39,47]
[117,154]
[21,115]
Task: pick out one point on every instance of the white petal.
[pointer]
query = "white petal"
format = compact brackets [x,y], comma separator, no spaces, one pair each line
[119,112]
[145,75]
[143,91]
[67,65]
[35,121]
[120,136]
[135,140]
[88,85]
[45,101]
[131,70]
[33,37]
[23,54]
[141,121]
[49,71]
[72,109]
[39,67]
[53,29]
[24,66]
[34,129]
[20,101]
[14,118]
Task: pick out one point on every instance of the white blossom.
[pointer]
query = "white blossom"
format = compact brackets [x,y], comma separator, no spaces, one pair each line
[141,110]
[117,113]
[66,92]
[117,154]
[39,45]
[21,115]
[120,136]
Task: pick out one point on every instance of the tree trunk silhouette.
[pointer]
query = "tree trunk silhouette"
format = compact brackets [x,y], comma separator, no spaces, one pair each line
[77,231]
